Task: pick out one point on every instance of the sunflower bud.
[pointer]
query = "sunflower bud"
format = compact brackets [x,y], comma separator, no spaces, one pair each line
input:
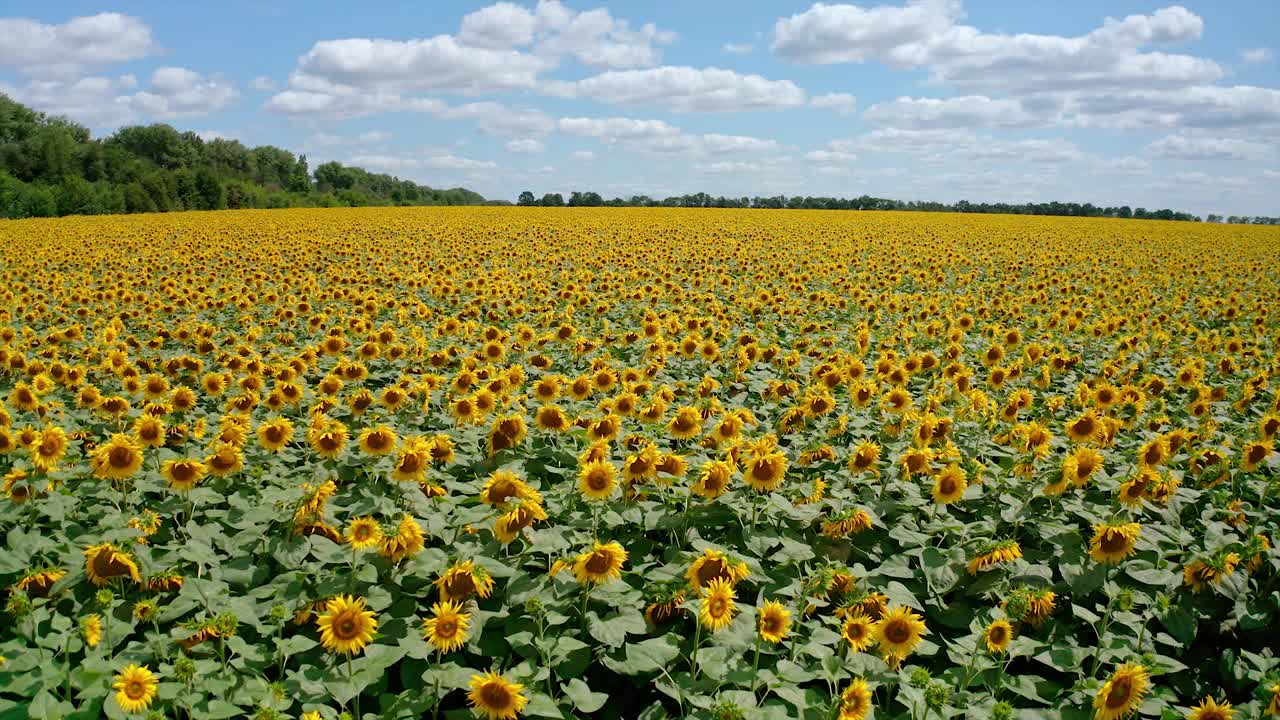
[105,597]
[937,695]
[1002,711]
[184,669]
[920,677]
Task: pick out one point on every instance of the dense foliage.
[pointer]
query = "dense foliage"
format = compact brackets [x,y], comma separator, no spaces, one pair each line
[503,463]
[51,166]
[866,202]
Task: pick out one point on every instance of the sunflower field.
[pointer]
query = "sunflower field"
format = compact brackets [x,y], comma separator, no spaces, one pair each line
[638,463]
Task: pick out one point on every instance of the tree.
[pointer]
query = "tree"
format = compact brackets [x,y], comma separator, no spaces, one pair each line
[209,191]
[526,199]
[552,200]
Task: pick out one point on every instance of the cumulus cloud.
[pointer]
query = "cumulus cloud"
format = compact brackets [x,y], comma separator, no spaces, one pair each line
[72,47]
[928,34]
[964,111]
[402,163]
[843,103]
[738,48]
[526,146]
[262,83]
[685,89]
[1184,147]
[1256,55]
[104,102]
[657,136]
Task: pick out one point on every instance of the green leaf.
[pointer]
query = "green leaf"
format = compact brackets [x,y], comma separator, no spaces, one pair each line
[613,632]
[583,697]
[645,657]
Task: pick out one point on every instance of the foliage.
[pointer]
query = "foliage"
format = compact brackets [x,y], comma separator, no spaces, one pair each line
[50,166]
[637,463]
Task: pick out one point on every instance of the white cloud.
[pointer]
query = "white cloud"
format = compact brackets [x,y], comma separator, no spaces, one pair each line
[685,89]
[719,144]
[211,135]
[1206,106]
[830,157]
[262,83]
[657,136]
[328,140]
[1256,55]
[738,48]
[927,34]
[728,167]
[81,43]
[103,102]
[965,111]
[1209,148]
[437,63]
[1271,174]
[584,155]
[612,130]
[402,163]
[178,92]
[843,103]
[527,146]
[592,37]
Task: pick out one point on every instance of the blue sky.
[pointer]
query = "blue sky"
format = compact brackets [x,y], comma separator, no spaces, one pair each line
[1146,104]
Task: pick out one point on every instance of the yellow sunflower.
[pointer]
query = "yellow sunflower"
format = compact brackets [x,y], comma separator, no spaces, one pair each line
[91,629]
[714,565]
[105,561]
[494,698]
[775,622]
[183,474]
[446,629]
[597,479]
[718,607]
[764,473]
[364,533]
[1209,709]
[275,434]
[998,635]
[686,424]
[898,633]
[346,627]
[462,579]
[949,485]
[135,688]
[118,458]
[407,541]
[600,564]
[993,554]
[859,631]
[48,451]
[380,440]
[713,481]
[1112,543]
[1123,692]
[855,701]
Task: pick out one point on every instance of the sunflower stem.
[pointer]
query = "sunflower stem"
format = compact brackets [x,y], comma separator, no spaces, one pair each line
[693,658]
[755,665]
[351,679]
[1102,631]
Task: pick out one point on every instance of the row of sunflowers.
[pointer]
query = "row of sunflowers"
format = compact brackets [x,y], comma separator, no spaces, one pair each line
[642,463]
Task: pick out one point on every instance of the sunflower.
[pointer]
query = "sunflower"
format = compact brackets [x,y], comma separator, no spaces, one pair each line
[713,565]
[149,431]
[507,527]
[916,461]
[225,460]
[462,579]
[717,605]
[1254,453]
[116,459]
[859,631]
[274,434]
[1113,542]
[364,533]
[1086,428]
[1123,692]
[775,622]
[551,418]
[993,554]
[713,481]
[855,701]
[413,460]
[37,583]
[1153,452]
[898,633]
[1199,574]
[91,629]
[346,627]
[446,629]
[328,438]
[48,451]
[601,564]
[1209,709]
[949,485]
[105,561]
[864,458]
[998,635]
[183,474]
[407,542]
[597,479]
[764,472]
[379,440]
[1273,707]
[135,688]
[686,424]
[494,698]
[504,484]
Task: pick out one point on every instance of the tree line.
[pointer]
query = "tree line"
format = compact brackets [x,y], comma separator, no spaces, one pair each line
[864,202]
[51,166]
